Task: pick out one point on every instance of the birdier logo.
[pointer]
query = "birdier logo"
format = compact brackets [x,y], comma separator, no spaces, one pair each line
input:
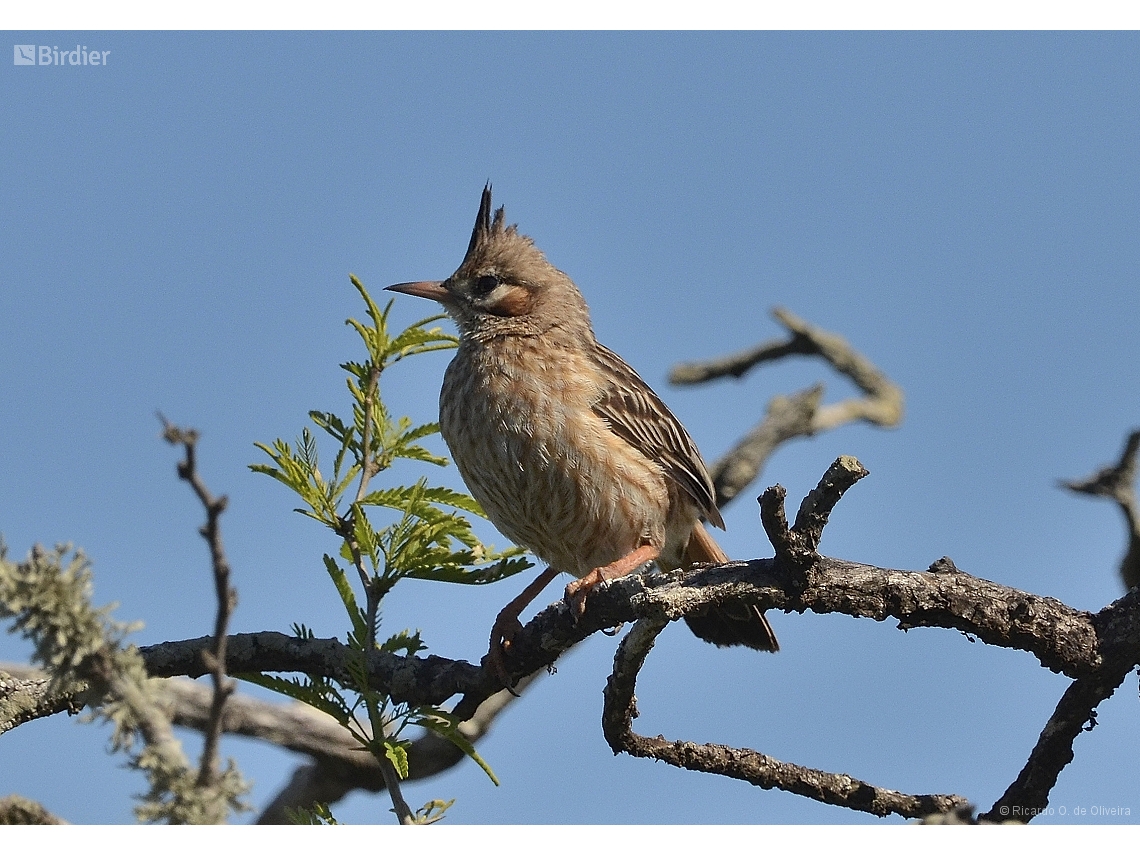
[52,55]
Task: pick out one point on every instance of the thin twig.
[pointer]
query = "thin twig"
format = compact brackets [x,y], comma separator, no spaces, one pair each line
[740,363]
[215,659]
[797,545]
[392,784]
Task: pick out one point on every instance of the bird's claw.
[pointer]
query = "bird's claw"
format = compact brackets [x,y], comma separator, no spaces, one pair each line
[502,633]
[576,594]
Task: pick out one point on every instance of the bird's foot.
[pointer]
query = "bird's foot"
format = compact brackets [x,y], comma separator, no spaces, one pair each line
[579,589]
[506,627]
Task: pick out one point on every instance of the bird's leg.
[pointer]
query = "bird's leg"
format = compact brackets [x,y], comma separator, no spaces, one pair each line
[507,625]
[577,590]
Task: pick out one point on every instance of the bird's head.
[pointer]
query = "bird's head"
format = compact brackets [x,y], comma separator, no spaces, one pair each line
[505,286]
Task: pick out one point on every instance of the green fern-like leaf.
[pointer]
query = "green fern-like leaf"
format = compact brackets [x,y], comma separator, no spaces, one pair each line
[446,725]
[404,642]
[460,572]
[400,498]
[347,596]
[315,693]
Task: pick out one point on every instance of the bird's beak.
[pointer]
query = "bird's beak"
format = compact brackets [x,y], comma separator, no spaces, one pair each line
[430,290]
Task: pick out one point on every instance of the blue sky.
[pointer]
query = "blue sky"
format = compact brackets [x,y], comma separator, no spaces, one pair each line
[178,228]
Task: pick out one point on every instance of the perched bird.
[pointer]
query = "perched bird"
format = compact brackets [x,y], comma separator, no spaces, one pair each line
[567,449]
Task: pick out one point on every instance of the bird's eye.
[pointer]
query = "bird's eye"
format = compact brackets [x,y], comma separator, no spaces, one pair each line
[485,284]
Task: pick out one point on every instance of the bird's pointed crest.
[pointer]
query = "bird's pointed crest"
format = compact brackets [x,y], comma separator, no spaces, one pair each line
[484,226]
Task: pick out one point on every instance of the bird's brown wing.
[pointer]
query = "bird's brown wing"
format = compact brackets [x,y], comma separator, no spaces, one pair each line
[635,413]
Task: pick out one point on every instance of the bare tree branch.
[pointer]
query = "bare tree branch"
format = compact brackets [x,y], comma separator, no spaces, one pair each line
[1118,484]
[786,419]
[883,405]
[1029,794]
[1115,645]
[25,695]
[620,708]
[215,659]
[1062,638]
[428,680]
[1096,650]
[798,544]
[801,414]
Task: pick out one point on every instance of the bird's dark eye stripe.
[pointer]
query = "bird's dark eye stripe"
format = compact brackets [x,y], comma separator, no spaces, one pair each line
[486,284]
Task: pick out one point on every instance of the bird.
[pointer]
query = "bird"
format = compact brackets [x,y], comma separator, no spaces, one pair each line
[569,452]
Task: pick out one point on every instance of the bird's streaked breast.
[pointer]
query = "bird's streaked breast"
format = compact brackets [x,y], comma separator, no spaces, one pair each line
[549,472]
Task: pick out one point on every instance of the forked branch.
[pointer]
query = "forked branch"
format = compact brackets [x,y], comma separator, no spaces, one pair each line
[620,709]
[215,658]
[801,414]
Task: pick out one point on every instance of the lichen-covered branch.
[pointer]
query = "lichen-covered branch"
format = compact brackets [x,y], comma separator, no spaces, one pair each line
[17,810]
[48,599]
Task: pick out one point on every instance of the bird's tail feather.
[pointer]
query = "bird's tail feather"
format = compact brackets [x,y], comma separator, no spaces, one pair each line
[730,624]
